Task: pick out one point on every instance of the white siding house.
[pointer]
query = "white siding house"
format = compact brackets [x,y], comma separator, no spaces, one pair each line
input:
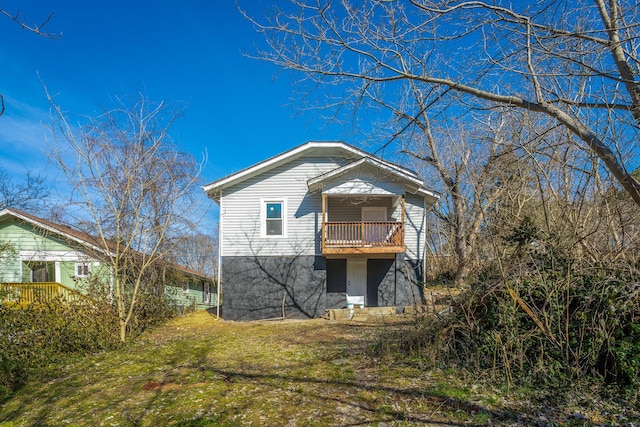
[320,226]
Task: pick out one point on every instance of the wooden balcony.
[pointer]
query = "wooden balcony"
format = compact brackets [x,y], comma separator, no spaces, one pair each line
[362,237]
[28,293]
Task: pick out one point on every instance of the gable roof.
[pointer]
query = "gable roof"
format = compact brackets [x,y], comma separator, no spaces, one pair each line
[414,184]
[77,236]
[68,233]
[337,147]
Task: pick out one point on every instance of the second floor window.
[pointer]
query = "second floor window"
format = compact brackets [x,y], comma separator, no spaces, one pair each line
[274,219]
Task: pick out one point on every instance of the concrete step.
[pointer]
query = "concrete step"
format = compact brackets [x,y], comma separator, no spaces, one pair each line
[360,314]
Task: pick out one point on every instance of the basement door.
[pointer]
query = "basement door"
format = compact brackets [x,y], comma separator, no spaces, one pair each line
[356,280]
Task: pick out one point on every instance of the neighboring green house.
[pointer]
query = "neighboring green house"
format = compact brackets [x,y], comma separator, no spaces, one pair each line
[37,251]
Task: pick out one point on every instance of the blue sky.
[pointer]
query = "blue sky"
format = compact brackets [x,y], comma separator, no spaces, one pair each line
[239,110]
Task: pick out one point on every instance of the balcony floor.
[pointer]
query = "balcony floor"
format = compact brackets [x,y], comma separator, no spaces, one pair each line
[364,250]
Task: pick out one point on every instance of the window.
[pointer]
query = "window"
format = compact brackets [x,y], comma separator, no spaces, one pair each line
[273,214]
[185,287]
[206,293]
[83,269]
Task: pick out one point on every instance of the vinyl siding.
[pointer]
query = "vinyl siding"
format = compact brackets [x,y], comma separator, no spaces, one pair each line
[414,235]
[364,180]
[349,209]
[194,298]
[240,209]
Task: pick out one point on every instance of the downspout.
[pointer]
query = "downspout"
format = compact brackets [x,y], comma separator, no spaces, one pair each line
[219,284]
[424,243]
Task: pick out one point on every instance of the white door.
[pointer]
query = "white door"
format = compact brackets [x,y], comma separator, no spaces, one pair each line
[374,233]
[356,280]
[374,213]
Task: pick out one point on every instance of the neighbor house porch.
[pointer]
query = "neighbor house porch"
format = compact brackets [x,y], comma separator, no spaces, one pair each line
[29,293]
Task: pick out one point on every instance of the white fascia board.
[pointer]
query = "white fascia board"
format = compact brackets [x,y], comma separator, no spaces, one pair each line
[431,196]
[53,230]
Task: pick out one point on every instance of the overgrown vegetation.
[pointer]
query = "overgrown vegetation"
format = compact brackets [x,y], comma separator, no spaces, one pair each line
[541,316]
[36,336]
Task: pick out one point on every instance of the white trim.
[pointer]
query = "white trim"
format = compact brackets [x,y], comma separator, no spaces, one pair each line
[258,167]
[433,195]
[263,217]
[57,273]
[213,189]
[83,263]
[64,256]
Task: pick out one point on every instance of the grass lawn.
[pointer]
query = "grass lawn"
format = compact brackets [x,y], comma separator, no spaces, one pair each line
[198,371]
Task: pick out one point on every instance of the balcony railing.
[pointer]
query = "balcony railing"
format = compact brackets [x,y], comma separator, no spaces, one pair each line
[363,237]
[28,293]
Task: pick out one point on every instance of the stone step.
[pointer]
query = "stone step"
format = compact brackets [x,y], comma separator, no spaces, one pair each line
[360,314]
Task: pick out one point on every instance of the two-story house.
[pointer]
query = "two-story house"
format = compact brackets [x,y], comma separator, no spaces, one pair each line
[323,225]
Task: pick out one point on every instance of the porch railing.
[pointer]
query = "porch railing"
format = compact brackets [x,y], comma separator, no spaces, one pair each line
[362,234]
[28,293]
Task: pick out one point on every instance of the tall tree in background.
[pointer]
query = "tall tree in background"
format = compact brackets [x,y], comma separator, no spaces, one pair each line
[29,195]
[197,251]
[132,189]
[465,162]
[573,62]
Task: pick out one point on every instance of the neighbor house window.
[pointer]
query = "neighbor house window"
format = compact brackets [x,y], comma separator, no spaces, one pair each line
[83,269]
[206,293]
[273,218]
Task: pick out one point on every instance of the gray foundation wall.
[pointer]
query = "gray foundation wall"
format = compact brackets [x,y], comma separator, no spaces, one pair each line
[402,285]
[261,287]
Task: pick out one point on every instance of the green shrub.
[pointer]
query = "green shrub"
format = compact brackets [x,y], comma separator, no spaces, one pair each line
[541,323]
[32,336]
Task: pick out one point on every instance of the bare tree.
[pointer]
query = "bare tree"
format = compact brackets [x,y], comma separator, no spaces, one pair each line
[30,194]
[197,251]
[132,189]
[573,62]
[468,177]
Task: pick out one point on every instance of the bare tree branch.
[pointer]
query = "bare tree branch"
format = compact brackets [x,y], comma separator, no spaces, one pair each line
[34,28]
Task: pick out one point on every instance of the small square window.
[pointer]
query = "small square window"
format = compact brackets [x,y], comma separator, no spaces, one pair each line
[83,269]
